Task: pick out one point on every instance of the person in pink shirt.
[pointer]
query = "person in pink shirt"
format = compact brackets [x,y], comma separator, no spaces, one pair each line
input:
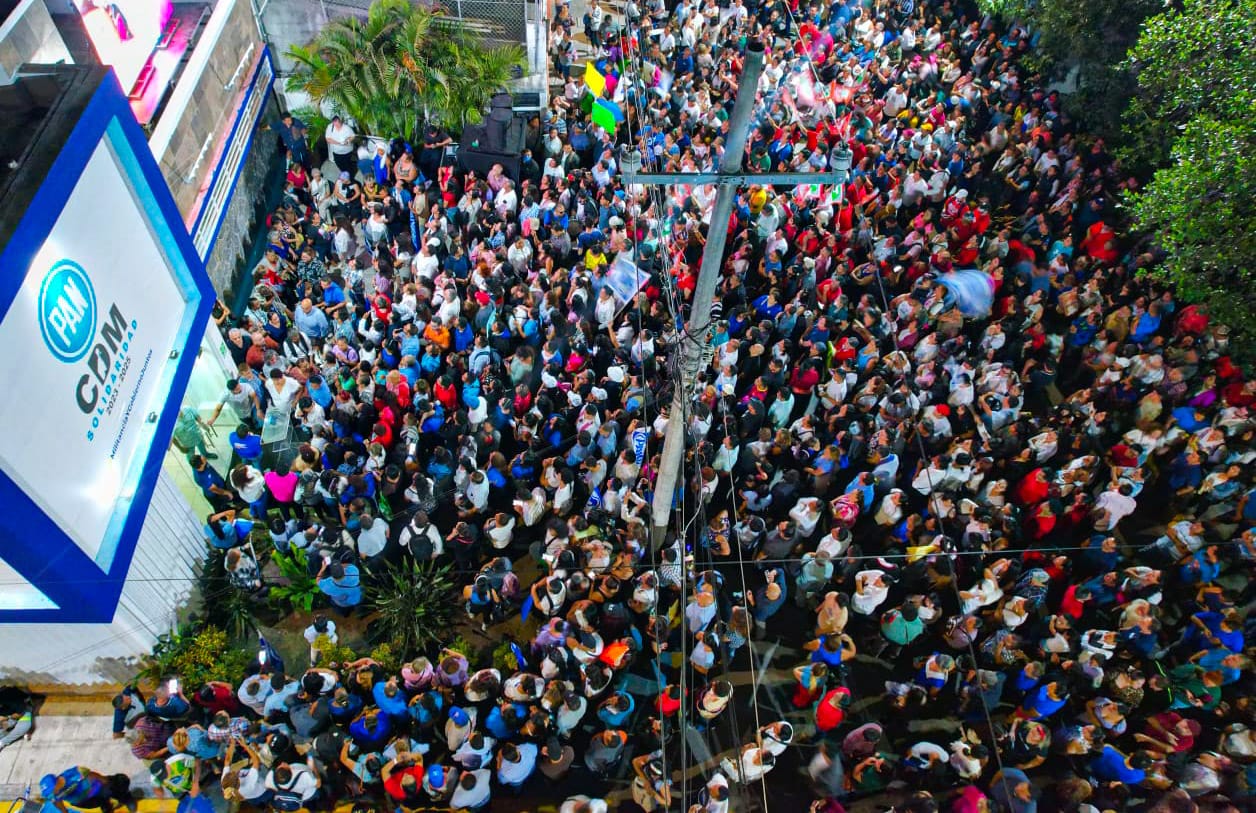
[282,485]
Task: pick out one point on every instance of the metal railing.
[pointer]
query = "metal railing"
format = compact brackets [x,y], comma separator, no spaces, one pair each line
[497,21]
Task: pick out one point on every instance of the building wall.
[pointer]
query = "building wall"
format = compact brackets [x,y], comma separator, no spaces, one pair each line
[239,226]
[29,35]
[161,579]
[187,139]
[192,133]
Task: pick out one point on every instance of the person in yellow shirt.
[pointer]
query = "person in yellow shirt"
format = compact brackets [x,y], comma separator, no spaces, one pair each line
[594,258]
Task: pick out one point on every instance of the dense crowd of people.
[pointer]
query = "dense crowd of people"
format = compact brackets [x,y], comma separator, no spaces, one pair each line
[1013,541]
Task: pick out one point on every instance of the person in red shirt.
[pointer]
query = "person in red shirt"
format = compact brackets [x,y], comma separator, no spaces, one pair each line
[397,385]
[831,712]
[383,435]
[403,779]
[1033,487]
[668,703]
[445,392]
[217,696]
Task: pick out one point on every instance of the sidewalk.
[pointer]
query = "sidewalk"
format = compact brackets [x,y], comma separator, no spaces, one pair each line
[59,742]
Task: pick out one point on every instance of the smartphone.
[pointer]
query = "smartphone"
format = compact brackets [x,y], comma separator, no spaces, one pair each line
[172,685]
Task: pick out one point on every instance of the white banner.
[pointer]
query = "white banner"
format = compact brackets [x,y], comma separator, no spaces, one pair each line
[90,335]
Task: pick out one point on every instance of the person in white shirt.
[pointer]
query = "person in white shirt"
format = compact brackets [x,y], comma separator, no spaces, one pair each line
[422,535]
[870,591]
[515,763]
[755,763]
[583,804]
[283,391]
[254,691]
[473,791]
[340,138]
[372,540]
[1114,505]
[294,780]
[500,531]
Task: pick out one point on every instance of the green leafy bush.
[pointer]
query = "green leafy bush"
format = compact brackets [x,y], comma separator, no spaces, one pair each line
[301,590]
[196,658]
[329,653]
[386,657]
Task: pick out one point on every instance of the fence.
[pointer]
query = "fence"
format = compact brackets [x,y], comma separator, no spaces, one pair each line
[497,21]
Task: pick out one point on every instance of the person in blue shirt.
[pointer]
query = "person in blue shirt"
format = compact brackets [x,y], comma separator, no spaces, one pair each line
[504,719]
[767,600]
[425,709]
[411,344]
[831,650]
[333,296]
[1044,701]
[168,704]
[684,63]
[371,730]
[345,706]
[246,444]
[1146,324]
[390,699]
[282,691]
[211,483]
[311,321]
[318,391]
[864,485]
[767,306]
[224,530]
[1202,567]
[615,710]
[342,584]
[431,361]
[464,336]
[1110,765]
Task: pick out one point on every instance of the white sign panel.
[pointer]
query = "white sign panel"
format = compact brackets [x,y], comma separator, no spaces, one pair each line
[90,335]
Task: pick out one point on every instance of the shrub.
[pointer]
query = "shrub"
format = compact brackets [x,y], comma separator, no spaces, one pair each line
[414,606]
[301,590]
[196,658]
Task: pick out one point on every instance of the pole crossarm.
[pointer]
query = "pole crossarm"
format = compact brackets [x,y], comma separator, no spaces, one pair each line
[833,176]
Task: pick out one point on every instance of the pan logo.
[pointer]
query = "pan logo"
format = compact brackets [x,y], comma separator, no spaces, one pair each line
[67,311]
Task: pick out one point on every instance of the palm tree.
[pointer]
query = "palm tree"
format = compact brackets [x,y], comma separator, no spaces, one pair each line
[403,63]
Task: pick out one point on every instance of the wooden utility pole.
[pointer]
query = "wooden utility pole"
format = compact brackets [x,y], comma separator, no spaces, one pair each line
[697,334]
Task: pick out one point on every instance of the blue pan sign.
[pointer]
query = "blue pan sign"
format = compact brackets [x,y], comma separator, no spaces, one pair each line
[103,292]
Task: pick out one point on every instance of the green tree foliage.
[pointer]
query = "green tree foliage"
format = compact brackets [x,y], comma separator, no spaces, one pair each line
[1091,36]
[1193,119]
[1202,212]
[1197,60]
[414,606]
[402,63]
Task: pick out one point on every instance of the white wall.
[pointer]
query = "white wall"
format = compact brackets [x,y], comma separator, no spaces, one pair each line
[162,574]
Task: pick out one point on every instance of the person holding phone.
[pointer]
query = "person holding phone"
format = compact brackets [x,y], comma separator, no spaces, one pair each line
[168,703]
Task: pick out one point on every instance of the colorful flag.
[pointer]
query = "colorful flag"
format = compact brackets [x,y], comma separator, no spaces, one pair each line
[639,438]
[603,117]
[616,110]
[595,80]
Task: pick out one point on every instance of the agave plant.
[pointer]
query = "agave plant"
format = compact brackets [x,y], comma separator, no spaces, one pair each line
[400,64]
[414,606]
